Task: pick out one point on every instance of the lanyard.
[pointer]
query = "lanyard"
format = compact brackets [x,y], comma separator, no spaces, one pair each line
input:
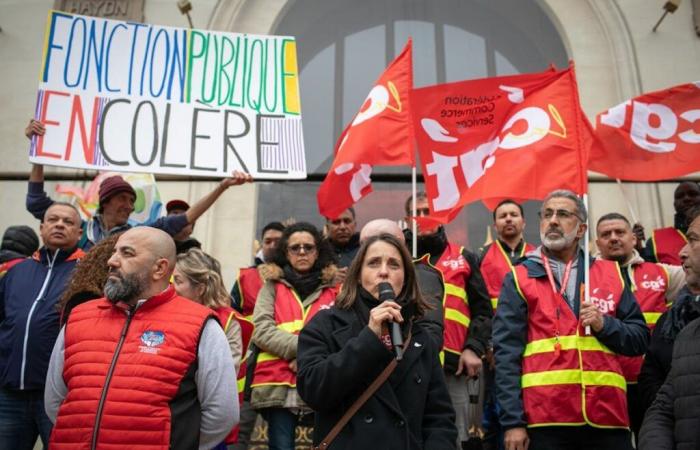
[564,281]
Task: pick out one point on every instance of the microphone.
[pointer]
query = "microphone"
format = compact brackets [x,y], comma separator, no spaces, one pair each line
[386,292]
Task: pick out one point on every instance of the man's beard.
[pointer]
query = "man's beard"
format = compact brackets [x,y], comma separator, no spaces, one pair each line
[558,243]
[125,288]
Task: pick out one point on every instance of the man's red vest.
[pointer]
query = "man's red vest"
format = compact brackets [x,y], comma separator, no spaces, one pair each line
[226,315]
[650,282]
[124,370]
[249,283]
[290,316]
[455,272]
[569,378]
[666,244]
[495,265]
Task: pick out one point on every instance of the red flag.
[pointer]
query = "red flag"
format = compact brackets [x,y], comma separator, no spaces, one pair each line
[518,137]
[380,134]
[652,137]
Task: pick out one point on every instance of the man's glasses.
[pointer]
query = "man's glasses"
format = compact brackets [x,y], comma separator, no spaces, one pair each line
[296,249]
[563,214]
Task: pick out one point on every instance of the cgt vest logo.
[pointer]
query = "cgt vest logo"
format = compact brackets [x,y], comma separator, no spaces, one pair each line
[151,340]
[454,263]
[657,285]
[604,301]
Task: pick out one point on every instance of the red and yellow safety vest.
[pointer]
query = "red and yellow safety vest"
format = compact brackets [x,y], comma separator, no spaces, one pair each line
[290,316]
[249,284]
[569,378]
[226,315]
[495,265]
[649,285]
[666,244]
[455,271]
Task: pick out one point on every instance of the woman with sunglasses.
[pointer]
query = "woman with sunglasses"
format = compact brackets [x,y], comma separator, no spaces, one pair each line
[344,349]
[298,283]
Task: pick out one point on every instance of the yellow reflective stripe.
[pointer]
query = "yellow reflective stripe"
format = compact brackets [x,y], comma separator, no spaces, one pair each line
[517,284]
[292,326]
[585,343]
[494,302]
[651,317]
[456,316]
[453,289]
[241,384]
[613,379]
[264,356]
[573,376]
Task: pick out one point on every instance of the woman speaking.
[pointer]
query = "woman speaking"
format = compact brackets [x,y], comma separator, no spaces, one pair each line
[343,350]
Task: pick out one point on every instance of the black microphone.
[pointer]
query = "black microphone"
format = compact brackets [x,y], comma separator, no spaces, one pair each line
[386,292]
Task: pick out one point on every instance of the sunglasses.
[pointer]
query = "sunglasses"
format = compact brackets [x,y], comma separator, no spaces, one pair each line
[296,249]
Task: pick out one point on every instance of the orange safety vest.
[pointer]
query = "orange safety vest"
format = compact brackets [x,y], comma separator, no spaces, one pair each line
[666,244]
[455,271]
[290,316]
[495,265]
[569,378]
[249,285]
[649,285]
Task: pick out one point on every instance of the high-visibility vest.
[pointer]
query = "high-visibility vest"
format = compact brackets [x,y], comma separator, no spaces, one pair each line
[649,285]
[455,271]
[666,243]
[569,378]
[495,265]
[249,284]
[226,315]
[290,316]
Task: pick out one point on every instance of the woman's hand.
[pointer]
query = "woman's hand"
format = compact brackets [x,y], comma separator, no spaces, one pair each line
[386,312]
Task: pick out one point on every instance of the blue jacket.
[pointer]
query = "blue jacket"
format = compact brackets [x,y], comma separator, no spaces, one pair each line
[28,316]
[626,334]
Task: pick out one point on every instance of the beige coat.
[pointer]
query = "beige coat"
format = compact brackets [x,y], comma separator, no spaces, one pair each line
[271,339]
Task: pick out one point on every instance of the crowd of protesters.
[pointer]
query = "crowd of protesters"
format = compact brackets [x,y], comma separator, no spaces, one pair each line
[113,336]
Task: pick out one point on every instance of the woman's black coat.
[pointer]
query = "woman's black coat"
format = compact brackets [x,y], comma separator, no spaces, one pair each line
[338,358]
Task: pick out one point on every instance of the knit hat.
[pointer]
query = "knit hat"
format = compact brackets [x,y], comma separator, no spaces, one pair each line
[20,239]
[112,186]
[177,204]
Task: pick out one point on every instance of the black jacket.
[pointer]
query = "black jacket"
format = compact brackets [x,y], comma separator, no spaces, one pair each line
[626,334]
[346,253]
[657,361]
[339,357]
[673,420]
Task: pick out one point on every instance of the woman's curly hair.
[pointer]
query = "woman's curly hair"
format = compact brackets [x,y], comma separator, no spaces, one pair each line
[90,274]
[325,256]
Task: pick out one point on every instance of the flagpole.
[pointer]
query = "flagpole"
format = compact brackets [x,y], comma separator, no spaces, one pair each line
[414,234]
[586,263]
[627,201]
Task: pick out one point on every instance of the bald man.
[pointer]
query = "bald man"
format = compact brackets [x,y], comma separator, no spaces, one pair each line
[141,367]
[429,279]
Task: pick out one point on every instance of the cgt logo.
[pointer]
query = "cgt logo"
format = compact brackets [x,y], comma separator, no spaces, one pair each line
[657,285]
[454,264]
[605,303]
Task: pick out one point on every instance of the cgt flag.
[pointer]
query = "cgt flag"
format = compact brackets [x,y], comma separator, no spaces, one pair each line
[380,134]
[518,137]
[652,137]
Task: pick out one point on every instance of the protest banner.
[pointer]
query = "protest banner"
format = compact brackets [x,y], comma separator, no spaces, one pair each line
[134,97]
[518,136]
[652,137]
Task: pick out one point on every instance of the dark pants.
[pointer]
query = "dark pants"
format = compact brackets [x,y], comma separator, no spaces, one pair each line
[245,426]
[578,438]
[635,409]
[23,420]
[281,427]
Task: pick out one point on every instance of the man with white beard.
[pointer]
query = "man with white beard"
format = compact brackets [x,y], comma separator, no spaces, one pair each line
[560,383]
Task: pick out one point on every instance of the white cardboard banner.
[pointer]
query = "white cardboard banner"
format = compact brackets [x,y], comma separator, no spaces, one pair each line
[134,97]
